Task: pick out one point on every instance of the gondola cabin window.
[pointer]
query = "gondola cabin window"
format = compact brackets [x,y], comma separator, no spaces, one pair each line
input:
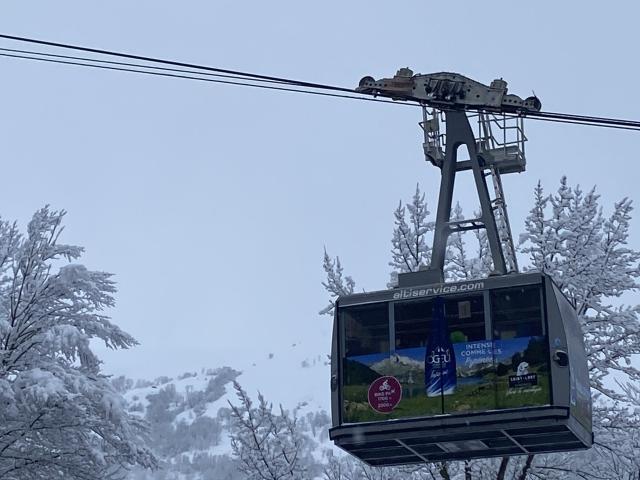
[517,312]
[366,329]
[453,354]
[366,349]
[413,327]
[521,347]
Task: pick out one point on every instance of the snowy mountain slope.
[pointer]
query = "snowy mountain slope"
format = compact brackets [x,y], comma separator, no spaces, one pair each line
[189,414]
[290,378]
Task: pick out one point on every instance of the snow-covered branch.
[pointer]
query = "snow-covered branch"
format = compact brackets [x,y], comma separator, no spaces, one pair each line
[61,418]
[336,284]
[268,446]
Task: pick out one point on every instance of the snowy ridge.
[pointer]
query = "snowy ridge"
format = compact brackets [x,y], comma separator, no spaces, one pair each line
[189,414]
[288,380]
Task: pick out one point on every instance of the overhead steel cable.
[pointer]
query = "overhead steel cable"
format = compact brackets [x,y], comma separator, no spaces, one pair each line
[586,124]
[200,78]
[241,78]
[584,118]
[242,81]
[177,64]
[137,65]
[573,122]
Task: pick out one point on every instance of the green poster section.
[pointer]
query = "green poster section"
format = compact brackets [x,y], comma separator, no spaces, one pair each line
[490,375]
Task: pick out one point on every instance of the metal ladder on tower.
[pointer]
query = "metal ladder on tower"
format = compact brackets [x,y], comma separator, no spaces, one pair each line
[506,150]
[499,207]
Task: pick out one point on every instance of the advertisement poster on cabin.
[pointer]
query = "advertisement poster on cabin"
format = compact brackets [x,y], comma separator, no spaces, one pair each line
[488,375]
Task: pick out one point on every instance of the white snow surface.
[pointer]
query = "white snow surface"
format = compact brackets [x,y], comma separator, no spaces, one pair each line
[296,376]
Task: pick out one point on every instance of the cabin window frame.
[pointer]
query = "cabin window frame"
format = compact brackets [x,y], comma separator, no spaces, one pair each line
[488,311]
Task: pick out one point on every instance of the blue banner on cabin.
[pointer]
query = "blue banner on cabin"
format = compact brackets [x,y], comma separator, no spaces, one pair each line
[439,360]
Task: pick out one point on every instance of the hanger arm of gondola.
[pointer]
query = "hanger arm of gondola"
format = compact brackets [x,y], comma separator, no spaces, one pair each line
[452,91]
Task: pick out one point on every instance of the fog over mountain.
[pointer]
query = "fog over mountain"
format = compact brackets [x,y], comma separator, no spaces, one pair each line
[189,414]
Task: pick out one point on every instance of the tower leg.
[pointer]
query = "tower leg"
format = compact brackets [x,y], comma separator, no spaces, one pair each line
[459,133]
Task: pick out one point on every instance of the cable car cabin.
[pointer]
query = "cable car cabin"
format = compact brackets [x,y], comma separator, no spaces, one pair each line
[491,367]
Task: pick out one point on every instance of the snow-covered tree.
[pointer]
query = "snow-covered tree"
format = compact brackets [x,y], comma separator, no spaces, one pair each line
[410,250]
[588,257]
[268,446]
[336,283]
[587,254]
[349,468]
[459,263]
[60,417]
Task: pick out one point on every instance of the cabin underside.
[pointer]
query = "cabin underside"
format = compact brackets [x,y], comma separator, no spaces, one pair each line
[461,437]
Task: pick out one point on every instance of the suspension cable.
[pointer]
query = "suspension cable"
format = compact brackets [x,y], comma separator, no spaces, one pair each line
[234,77]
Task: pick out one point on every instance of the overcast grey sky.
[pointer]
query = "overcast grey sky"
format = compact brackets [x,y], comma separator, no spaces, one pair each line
[212,203]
